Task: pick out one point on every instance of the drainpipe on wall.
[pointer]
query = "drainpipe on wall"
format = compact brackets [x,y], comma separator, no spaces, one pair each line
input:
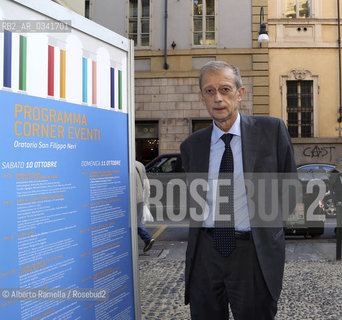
[166,66]
[339,67]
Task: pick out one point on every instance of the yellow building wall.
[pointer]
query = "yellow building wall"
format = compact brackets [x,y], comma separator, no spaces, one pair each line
[329,9]
[321,62]
[329,33]
[75,5]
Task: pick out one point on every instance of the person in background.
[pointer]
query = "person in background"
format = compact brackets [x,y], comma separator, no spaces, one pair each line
[142,197]
[240,264]
[335,180]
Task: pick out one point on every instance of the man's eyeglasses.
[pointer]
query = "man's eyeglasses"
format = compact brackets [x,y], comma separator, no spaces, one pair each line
[224,91]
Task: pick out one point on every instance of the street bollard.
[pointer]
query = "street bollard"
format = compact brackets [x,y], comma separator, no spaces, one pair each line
[338,229]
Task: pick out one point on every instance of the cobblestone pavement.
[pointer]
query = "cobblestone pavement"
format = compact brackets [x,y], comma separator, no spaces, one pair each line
[311,290]
[162,290]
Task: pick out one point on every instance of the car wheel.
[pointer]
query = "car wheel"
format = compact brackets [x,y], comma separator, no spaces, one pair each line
[329,208]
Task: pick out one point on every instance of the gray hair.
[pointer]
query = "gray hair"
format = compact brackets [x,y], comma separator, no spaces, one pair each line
[220,65]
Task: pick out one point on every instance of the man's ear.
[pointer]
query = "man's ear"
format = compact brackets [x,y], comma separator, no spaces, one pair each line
[241,92]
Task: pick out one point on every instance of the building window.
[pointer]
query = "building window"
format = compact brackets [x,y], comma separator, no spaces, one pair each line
[204,22]
[298,8]
[87,9]
[300,108]
[139,22]
[299,91]
[200,124]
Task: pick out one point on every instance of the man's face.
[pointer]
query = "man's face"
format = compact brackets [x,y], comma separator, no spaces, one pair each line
[220,95]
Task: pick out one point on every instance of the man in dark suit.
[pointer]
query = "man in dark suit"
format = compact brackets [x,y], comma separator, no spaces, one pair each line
[243,265]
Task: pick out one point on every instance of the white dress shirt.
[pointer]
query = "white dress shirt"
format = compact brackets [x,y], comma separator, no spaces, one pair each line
[217,148]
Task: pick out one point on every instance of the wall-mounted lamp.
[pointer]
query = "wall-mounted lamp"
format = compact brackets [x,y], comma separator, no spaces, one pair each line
[263,35]
[173,45]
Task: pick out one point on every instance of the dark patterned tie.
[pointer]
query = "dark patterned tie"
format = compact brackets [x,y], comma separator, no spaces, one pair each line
[224,232]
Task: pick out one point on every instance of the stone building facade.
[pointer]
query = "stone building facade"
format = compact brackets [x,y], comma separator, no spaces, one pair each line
[304,76]
[169,55]
[175,103]
[303,49]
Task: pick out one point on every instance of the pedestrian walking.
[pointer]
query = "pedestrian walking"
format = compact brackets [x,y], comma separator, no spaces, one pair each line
[142,197]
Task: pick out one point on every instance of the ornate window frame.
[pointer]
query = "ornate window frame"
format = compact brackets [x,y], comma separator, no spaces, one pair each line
[301,74]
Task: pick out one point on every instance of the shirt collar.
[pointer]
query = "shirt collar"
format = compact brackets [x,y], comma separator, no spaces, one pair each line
[235,130]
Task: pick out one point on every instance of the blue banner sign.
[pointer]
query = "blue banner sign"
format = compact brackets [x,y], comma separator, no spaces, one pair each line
[64,202]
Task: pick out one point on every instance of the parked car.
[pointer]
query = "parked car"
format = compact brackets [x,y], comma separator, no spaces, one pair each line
[320,171]
[166,163]
[315,166]
[167,180]
[299,222]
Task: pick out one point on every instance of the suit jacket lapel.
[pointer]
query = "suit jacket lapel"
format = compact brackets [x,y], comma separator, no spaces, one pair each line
[200,166]
[203,150]
[249,139]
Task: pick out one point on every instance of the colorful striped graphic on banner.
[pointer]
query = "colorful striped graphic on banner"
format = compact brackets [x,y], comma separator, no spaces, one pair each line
[62,73]
[51,70]
[7,59]
[112,87]
[120,90]
[84,80]
[22,63]
[94,83]
[98,87]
